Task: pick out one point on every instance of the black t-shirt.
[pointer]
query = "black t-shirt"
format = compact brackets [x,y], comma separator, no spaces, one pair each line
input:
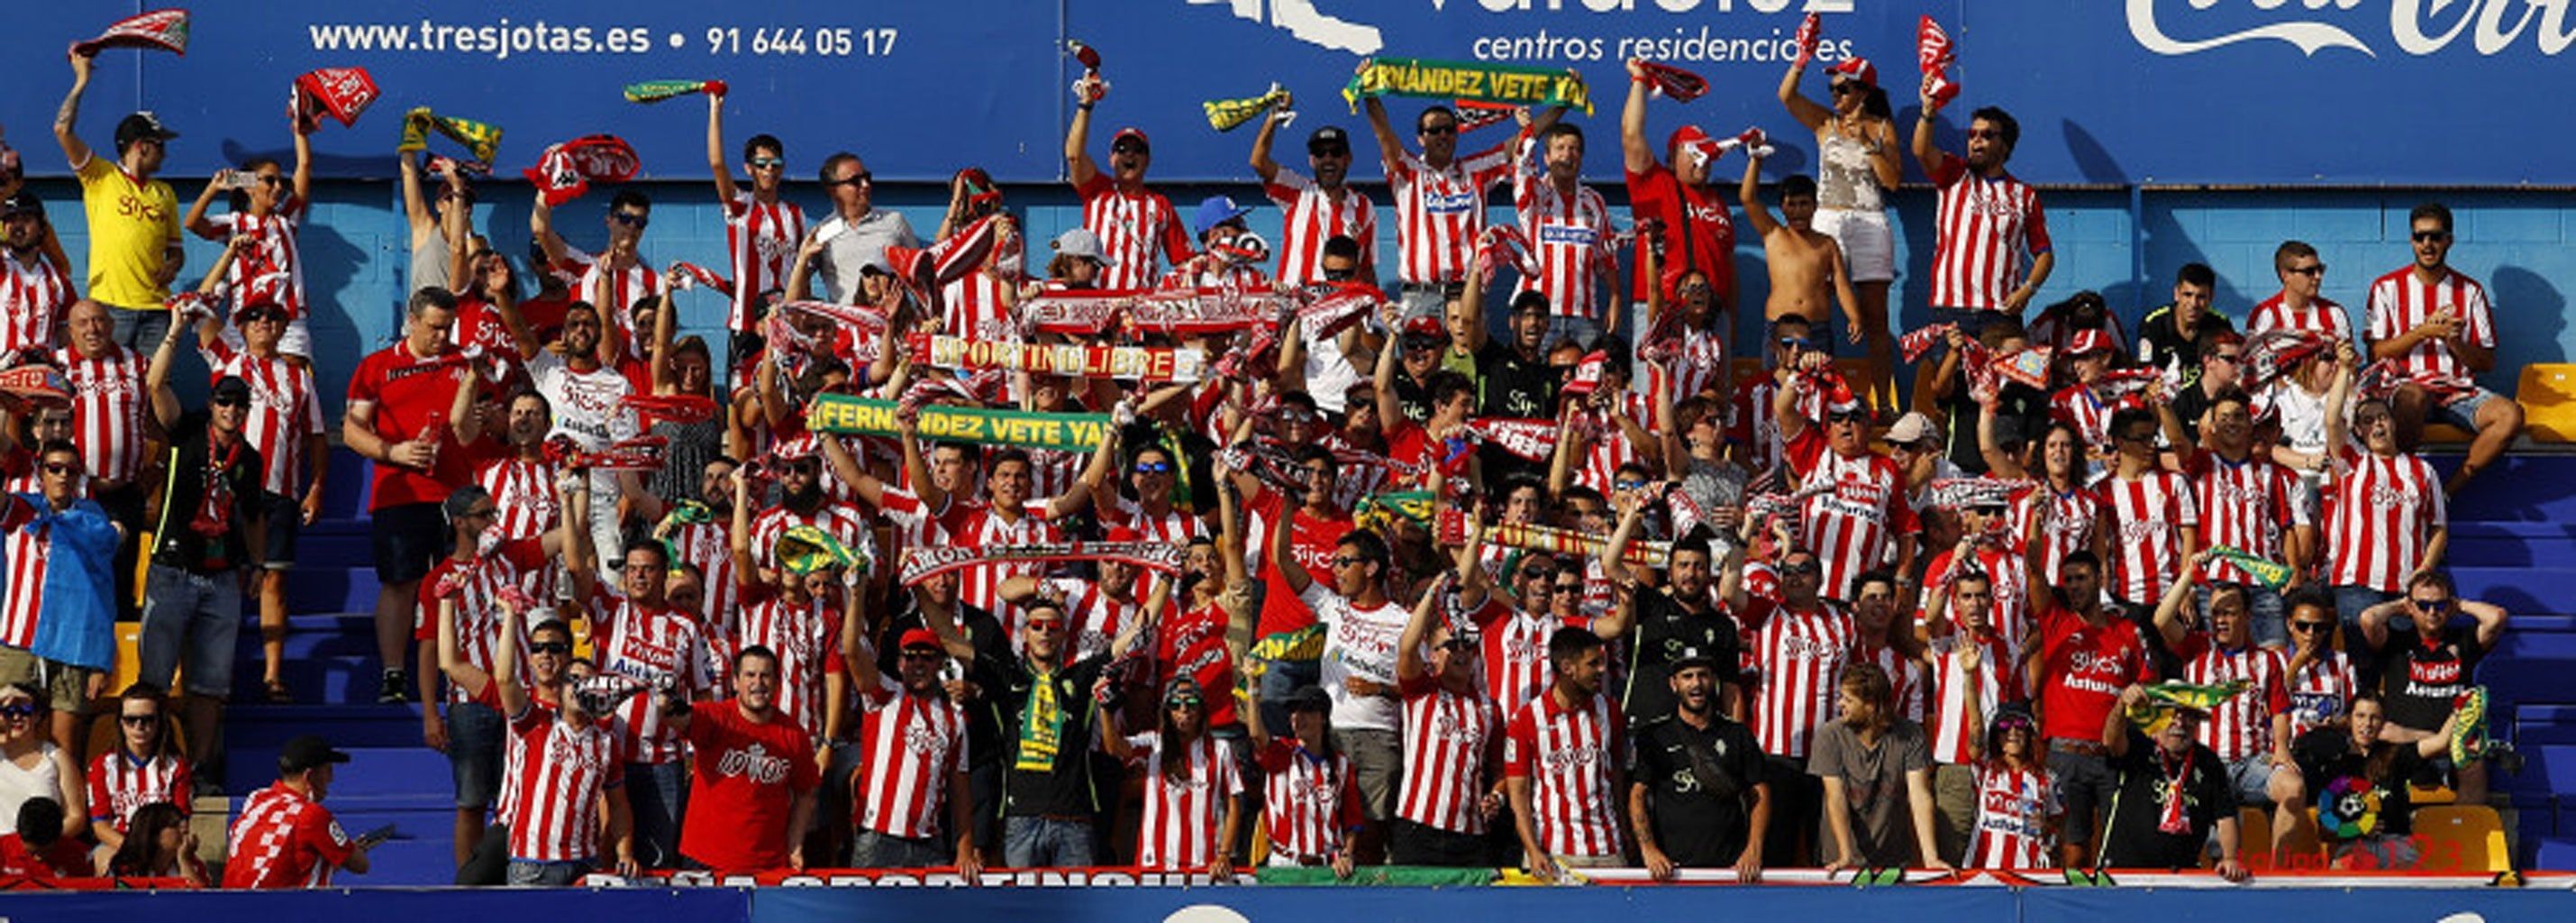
[983,725]
[2421,680]
[1512,386]
[1413,396]
[1662,631]
[2189,406]
[2165,344]
[2147,777]
[2333,769]
[1063,789]
[1699,785]
[186,519]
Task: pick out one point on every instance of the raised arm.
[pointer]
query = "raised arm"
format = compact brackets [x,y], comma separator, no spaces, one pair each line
[1926,151]
[196,221]
[1078,166]
[302,178]
[74,149]
[2491,619]
[725,188]
[1624,588]
[1390,150]
[1635,152]
[1808,112]
[505,654]
[1290,572]
[1262,164]
[1750,192]
[541,228]
[2171,620]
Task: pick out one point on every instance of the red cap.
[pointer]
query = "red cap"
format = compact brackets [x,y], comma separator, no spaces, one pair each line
[2089,341]
[918,637]
[1426,325]
[1131,132]
[1687,134]
[1857,69]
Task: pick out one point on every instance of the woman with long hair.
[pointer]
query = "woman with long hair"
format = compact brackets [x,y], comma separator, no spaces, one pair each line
[1311,801]
[1856,165]
[2017,806]
[2062,512]
[144,768]
[31,766]
[2364,809]
[1193,809]
[158,845]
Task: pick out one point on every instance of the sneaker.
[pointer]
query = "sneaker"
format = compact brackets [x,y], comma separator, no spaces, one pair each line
[395,690]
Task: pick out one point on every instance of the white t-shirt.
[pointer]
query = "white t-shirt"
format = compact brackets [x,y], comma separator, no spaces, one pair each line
[588,406]
[1358,642]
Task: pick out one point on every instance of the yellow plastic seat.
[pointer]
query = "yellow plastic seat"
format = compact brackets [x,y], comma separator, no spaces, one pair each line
[2547,394]
[2462,838]
[2439,794]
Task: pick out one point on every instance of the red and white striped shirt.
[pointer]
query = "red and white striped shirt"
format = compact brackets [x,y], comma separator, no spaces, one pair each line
[1987,229]
[523,490]
[270,271]
[2401,301]
[1309,217]
[1861,508]
[2241,726]
[555,772]
[119,785]
[1176,525]
[2380,517]
[107,410]
[708,546]
[1447,738]
[283,839]
[1093,618]
[2321,315]
[284,413]
[979,525]
[478,606]
[1798,658]
[625,287]
[1515,649]
[2249,505]
[1908,681]
[978,307]
[2014,811]
[761,242]
[1956,729]
[1182,812]
[1569,235]
[911,745]
[2073,518]
[1612,448]
[2150,514]
[2085,410]
[28,554]
[1309,802]
[650,646]
[1572,756]
[2007,579]
[1439,213]
[807,640]
[1138,230]
[33,297]
[1751,424]
[2321,691]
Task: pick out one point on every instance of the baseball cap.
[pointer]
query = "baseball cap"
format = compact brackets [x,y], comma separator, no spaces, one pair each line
[23,202]
[230,387]
[1328,138]
[1215,210]
[918,637]
[307,752]
[1687,134]
[1911,428]
[142,124]
[2087,342]
[1083,243]
[1138,134]
[1425,325]
[1309,698]
[1856,69]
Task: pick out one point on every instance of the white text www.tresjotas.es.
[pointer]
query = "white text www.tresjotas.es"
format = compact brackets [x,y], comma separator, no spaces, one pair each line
[503,39]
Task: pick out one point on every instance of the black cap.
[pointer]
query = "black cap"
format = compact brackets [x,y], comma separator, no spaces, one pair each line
[139,126]
[1309,698]
[307,752]
[230,387]
[23,202]
[1326,138]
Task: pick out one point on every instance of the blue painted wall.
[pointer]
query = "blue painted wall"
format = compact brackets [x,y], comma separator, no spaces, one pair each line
[355,246]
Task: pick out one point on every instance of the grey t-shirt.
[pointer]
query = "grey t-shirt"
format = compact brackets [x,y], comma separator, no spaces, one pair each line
[852,246]
[1874,779]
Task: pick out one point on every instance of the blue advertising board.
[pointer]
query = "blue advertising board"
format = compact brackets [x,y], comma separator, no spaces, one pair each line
[2339,92]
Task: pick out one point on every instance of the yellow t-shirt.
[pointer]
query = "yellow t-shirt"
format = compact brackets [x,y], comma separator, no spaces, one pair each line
[131,228]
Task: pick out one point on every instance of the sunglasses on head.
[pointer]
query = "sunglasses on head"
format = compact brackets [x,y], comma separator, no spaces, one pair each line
[631,219]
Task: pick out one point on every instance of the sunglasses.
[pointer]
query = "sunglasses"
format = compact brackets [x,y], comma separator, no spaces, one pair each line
[1347,561]
[261,315]
[2430,605]
[1627,485]
[2316,270]
[1130,147]
[1331,152]
[922,655]
[1538,573]
[2310,627]
[1846,416]
[1800,343]
[229,401]
[1045,625]
[272,180]
[1848,86]
[1438,130]
[805,466]
[550,647]
[1421,344]
[1185,701]
[630,219]
[1153,467]
[60,468]
[1986,133]
[1569,588]
[862,179]
[767,163]
[1341,275]
[484,513]
[139,721]
[2226,357]
[18,710]
[1808,569]
[2426,237]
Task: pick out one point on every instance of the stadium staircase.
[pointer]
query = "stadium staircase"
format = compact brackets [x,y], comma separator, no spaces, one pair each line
[2513,542]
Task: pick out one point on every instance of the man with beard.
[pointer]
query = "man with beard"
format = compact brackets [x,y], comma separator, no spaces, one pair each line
[1439,201]
[701,536]
[2429,320]
[1801,643]
[1696,793]
[615,280]
[1657,624]
[2084,655]
[755,778]
[1988,222]
[934,597]
[1561,762]
[641,637]
[1137,227]
[588,398]
[2172,793]
[33,291]
[914,741]
[802,501]
[1315,209]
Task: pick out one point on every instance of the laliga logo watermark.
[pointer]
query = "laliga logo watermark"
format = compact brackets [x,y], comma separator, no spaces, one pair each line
[2417,27]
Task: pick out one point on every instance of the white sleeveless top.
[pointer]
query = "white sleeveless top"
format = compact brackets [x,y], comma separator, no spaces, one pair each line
[1844,178]
[18,783]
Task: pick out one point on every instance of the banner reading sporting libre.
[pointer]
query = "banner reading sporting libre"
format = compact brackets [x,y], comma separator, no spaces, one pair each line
[1072,432]
[2135,91]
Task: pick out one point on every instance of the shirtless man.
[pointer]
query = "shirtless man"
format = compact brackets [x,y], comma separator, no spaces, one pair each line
[1806,266]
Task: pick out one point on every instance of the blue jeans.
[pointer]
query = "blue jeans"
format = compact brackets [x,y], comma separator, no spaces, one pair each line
[2264,608]
[526,873]
[140,330]
[1046,842]
[658,793]
[474,735]
[879,851]
[197,616]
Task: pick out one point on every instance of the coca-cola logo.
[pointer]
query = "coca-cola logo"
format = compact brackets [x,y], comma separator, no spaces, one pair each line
[2414,27]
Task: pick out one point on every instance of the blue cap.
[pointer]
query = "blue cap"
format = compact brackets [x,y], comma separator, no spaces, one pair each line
[1216,210]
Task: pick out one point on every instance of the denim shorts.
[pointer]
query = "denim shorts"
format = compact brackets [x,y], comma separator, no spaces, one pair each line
[285,521]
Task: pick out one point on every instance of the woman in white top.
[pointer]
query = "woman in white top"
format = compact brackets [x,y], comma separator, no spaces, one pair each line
[1855,164]
[30,765]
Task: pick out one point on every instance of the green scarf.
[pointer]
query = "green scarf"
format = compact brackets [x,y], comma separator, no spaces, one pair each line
[1041,727]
